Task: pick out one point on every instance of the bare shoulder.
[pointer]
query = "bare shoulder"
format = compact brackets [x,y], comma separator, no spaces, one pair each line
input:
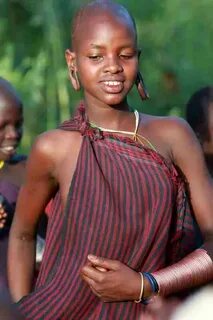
[55,142]
[170,133]
[50,148]
[167,124]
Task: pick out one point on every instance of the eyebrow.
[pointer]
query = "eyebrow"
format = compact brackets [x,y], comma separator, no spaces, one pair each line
[96,46]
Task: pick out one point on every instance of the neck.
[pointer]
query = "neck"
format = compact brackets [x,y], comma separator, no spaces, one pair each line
[111,117]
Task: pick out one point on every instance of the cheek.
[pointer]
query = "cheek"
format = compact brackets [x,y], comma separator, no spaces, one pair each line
[88,77]
[85,70]
[132,69]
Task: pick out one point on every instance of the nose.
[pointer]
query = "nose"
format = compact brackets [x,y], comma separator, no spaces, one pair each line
[113,65]
[11,132]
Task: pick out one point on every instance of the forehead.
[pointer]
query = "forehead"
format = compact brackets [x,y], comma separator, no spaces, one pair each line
[9,105]
[104,27]
[8,96]
[10,115]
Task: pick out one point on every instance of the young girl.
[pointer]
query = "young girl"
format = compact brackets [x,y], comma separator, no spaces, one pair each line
[121,229]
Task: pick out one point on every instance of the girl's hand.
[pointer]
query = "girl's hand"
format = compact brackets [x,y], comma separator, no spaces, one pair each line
[111,280]
[3,216]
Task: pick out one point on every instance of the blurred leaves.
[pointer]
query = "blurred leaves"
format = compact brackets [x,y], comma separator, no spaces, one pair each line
[175,37]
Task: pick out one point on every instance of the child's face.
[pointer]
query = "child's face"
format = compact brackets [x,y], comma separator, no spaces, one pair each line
[11,121]
[106,58]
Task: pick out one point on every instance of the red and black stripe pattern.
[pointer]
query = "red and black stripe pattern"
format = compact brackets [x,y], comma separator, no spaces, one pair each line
[125,202]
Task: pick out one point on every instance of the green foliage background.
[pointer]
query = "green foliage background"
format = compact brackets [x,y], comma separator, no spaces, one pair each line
[176,37]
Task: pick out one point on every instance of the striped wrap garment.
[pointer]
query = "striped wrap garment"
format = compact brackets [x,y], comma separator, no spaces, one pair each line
[125,202]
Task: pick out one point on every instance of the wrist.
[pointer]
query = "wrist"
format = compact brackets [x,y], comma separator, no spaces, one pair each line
[148,288]
[148,292]
[153,284]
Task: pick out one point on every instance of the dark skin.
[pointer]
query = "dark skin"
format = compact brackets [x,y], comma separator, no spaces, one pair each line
[106,62]
[207,145]
[11,121]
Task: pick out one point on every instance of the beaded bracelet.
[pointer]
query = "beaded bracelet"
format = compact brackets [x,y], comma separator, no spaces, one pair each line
[142,288]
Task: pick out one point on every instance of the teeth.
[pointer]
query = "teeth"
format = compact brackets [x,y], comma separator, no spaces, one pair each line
[112,83]
[8,148]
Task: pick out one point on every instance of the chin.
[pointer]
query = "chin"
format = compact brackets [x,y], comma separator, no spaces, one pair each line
[114,101]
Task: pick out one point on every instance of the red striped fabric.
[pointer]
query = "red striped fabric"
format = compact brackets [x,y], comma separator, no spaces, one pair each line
[125,202]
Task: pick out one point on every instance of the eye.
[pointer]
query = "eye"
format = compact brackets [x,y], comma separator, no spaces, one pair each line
[127,56]
[95,57]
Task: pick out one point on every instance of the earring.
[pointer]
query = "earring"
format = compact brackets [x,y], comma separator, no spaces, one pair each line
[141,86]
[74,79]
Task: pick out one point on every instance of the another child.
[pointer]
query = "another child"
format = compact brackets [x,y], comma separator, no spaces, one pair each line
[12,165]
[199,114]
[121,226]
[12,171]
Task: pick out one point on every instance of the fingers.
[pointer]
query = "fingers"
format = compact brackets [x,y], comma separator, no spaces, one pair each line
[94,286]
[104,264]
[92,273]
[3,216]
[88,280]
[2,211]
[2,223]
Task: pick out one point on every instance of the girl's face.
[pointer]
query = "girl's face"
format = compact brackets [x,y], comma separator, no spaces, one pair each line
[106,59]
[11,121]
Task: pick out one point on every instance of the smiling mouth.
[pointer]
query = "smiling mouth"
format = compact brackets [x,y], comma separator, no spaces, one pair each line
[112,83]
[8,149]
[113,86]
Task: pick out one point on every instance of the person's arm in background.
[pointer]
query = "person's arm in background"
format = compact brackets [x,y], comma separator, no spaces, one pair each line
[33,198]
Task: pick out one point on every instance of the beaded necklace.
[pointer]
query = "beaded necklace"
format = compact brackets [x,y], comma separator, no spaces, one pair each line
[136,136]
[1,164]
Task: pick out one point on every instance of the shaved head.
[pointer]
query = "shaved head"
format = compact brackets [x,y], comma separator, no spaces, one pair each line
[8,93]
[97,8]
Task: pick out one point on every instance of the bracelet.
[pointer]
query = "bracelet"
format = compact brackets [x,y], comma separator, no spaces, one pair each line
[191,271]
[154,285]
[142,287]
[153,282]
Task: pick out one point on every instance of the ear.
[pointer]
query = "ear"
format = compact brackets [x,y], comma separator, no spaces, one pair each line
[72,68]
